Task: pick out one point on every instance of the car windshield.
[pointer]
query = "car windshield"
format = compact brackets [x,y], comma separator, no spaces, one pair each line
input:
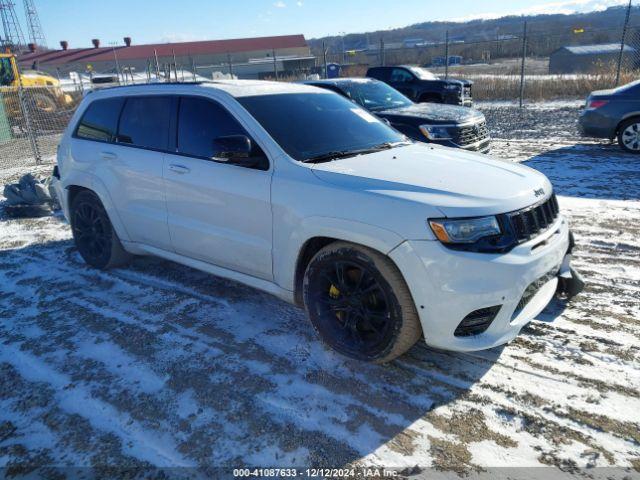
[375,96]
[423,73]
[310,126]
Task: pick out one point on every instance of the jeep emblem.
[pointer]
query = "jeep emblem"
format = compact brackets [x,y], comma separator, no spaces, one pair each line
[539,192]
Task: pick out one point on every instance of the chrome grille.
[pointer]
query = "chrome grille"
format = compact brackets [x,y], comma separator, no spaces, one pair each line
[470,134]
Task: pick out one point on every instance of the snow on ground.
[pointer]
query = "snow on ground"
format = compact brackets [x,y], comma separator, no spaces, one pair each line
[160,365]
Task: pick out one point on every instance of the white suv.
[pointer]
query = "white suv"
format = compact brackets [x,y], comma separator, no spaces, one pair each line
[297,191]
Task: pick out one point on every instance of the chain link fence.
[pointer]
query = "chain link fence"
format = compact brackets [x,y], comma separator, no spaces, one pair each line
[529,63]
[532,62]
[32,120]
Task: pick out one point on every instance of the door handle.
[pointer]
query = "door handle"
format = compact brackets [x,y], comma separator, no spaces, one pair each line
[181,169]
[108,155]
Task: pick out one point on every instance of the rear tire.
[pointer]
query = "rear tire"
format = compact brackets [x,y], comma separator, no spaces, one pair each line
[629,135]
[93,233]
[359,303]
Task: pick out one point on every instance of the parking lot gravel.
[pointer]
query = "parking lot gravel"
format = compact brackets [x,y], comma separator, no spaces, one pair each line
[159,365]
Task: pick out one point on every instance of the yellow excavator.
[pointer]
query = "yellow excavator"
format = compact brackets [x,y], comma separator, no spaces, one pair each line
[42,91]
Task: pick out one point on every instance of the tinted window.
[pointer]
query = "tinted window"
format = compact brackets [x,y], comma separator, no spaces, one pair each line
[100,120]
[401,75]
[379,73]
[306,125]
[200,122]
[145,122]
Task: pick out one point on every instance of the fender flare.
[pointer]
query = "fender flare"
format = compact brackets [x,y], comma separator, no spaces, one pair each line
[90,182]
[626,117]
[285,262]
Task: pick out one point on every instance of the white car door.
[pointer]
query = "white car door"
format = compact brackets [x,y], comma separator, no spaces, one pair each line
[218,212]
[130,162]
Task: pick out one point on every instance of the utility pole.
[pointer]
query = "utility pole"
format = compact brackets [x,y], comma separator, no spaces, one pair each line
[446,54]
[36,35]
[524,55]
[622,40]
[381,51]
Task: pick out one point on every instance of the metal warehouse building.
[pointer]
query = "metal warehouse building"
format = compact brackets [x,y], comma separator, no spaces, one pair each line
[589,58]
[251,57]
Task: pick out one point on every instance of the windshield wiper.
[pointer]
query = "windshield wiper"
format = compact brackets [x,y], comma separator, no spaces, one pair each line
[326,157]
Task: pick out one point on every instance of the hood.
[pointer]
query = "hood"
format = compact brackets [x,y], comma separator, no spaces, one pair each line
[436,113]
[457,183]
[466,83]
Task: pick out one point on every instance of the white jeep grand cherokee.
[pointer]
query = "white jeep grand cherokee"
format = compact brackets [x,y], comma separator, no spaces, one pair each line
[299,192]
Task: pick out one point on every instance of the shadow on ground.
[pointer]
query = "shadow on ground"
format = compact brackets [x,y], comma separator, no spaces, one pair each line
[215,372]
[599,171]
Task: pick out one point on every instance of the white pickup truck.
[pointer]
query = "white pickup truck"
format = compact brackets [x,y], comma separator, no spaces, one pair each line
[299,192]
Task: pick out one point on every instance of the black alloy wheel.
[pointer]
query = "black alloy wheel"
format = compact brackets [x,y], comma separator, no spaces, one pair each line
[93,233]
[354,307]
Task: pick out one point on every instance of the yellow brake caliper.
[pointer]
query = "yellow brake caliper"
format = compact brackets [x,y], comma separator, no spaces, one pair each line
[335,293]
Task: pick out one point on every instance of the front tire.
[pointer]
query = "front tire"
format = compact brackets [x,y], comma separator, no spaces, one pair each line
[94,236]
[629,135]
[359,303]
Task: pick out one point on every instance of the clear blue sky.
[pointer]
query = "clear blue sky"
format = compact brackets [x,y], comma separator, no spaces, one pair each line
[78,21]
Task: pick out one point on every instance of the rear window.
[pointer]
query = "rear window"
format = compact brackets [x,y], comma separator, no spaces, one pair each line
[145,122]
[100,120]
[379,73]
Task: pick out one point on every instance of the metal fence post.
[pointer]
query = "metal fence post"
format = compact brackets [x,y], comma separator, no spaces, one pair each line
[446,54]
[524,56]
[155,54]
[324,60]
[275,64]
[622,40]
[230,65]
[31,132]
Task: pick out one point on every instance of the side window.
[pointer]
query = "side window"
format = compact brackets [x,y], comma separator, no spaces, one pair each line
[100,120]
[200,121]
[145,122]
[401,76]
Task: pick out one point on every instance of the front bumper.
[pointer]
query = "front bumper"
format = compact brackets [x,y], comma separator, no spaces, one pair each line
[449,285]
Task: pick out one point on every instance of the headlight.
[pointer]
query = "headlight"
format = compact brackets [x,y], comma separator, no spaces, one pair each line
[434,132]
[465,231]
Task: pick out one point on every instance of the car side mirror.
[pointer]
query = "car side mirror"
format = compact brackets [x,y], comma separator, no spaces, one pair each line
[236,150]
[231,146]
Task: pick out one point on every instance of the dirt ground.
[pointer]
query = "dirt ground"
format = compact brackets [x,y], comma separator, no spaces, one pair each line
[158,365]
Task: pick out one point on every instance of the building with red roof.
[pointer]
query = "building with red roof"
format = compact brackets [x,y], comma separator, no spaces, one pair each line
[249,57]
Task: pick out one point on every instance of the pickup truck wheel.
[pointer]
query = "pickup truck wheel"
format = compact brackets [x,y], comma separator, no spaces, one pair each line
[93,233]
[629,135]
[359,303]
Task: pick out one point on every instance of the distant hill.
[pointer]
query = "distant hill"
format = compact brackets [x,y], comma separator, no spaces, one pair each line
[547,32]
